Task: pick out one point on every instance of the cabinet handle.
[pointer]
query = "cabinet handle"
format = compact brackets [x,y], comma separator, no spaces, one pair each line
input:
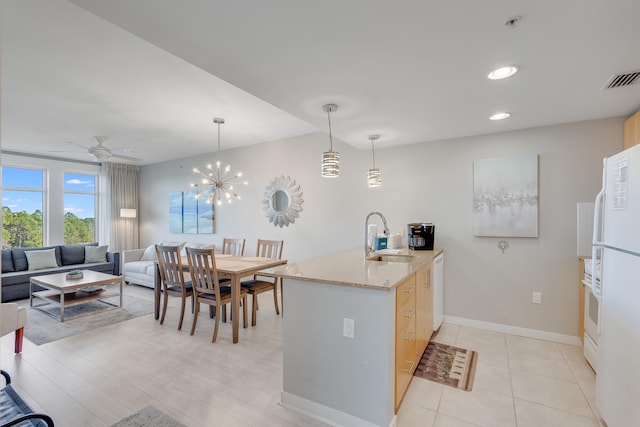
[410,314]
[409,290]
[413,362]
[410,337]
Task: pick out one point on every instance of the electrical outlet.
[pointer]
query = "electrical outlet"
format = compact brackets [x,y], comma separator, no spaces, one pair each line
[537,297]
[349,328]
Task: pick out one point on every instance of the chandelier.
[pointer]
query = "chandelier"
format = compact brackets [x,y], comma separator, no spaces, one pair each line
[330,159]
[374,178]
[219,182]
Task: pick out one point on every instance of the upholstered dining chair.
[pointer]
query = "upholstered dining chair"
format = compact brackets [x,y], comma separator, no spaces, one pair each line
[268,249]
[172,277]
[13,319]
[233,246]
[206,287]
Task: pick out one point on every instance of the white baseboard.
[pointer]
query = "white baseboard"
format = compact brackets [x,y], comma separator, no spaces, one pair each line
[514,330]
[325,414]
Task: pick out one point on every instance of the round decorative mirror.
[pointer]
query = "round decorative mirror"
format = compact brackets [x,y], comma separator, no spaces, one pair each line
[282,201]
[279,201]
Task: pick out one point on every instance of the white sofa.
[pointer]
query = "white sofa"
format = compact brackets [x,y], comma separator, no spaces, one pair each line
[139,265]
[137,270]
[13,319]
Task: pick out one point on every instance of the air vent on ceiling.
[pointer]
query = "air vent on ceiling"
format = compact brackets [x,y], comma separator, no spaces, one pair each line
[624,79]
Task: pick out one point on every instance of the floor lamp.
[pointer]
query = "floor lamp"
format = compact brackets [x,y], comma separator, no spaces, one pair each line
[127,214]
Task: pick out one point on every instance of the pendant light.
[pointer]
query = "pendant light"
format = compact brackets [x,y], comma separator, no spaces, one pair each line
[374,179]
[330,159]
[219,182]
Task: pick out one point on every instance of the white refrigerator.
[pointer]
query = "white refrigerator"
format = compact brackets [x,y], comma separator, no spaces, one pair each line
[617,245]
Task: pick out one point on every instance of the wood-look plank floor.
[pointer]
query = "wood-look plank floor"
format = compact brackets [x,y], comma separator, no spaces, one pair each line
[97,378]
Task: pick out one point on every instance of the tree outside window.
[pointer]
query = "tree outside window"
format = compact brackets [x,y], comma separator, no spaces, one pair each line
[22,207]
[79,208]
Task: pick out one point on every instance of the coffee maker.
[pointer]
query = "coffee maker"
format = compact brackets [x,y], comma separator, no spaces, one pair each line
[421,236]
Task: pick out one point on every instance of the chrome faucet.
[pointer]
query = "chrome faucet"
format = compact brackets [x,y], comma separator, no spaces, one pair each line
[367,248]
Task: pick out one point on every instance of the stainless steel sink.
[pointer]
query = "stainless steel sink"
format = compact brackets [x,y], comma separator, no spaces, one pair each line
[392,258]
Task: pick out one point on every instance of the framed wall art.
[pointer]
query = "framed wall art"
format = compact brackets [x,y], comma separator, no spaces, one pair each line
[505,196]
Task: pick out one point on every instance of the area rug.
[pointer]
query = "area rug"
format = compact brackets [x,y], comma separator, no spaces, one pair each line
[149,416]
[448,365]
[42,329]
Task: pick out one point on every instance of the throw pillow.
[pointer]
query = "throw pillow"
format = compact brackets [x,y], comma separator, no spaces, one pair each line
[95,254]
[172,243]
[183,251]
[149,254]
[38,260]
[7,261]
[72,254]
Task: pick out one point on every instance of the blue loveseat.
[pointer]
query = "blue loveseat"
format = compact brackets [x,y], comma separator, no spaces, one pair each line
[16,273]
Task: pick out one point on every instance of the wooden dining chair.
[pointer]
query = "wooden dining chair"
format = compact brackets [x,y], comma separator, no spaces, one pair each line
[233,246]
[207,290]
[268,249]
[172,277]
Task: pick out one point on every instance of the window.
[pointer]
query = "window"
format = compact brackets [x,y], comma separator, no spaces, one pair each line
[79,208]
[22,207]
[43,203]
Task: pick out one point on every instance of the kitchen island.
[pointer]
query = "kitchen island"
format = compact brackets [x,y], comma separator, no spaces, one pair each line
[354,329]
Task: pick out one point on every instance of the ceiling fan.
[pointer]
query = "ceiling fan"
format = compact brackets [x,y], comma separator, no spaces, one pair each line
[100,152]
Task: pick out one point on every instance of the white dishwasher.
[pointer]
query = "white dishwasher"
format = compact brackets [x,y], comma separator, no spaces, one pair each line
[438,291]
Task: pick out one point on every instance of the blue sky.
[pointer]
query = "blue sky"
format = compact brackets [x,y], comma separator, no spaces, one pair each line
[19,198]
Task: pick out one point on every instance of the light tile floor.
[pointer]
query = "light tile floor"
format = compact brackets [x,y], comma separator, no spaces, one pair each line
[97,378]
[519,382]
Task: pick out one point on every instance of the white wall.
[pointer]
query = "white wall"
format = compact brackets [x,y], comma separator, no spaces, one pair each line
[424,182]
[328,375]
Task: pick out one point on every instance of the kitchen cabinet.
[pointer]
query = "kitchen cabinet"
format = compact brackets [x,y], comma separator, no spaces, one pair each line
[405,336]
[424,308]
[632,131]
[356,375]
[414,326]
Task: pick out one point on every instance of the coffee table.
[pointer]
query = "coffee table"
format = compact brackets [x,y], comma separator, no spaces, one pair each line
[63,292]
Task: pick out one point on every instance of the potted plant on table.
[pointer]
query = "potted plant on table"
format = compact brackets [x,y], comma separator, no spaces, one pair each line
[74,274]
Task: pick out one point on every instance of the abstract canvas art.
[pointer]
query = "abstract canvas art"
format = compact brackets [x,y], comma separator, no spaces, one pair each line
[505,196]
[175,212]
[190,215]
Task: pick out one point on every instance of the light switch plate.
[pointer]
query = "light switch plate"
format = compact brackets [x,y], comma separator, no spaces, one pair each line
[537,298]
[349,328]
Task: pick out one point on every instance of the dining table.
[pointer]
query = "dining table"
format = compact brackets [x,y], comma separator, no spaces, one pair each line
[228,266]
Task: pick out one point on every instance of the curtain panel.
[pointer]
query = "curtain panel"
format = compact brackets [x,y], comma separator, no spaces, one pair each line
[122,189]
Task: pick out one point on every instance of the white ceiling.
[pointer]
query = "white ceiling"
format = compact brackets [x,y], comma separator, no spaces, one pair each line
[152,74]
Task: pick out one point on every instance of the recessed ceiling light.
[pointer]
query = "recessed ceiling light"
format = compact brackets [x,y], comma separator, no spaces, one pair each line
[499,116]
[503,72]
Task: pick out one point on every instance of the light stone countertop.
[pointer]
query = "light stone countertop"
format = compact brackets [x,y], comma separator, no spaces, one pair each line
[350,268]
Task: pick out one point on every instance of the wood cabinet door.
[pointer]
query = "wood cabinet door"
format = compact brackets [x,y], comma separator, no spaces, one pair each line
[632,131]
[404,369]
[424,309]
[405,336]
